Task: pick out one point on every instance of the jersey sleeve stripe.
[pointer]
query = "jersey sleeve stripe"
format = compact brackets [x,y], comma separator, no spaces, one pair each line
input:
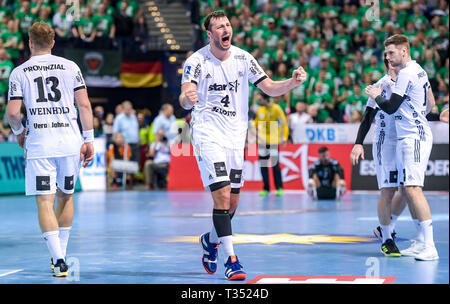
[79,88]
[259,80]
[15,97]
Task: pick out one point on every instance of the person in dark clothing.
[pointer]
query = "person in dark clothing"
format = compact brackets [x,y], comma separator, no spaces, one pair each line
[124,28]
[326,177]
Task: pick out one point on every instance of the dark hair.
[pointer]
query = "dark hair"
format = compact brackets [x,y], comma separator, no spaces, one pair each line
[264,95]
[215,14]
[323,150]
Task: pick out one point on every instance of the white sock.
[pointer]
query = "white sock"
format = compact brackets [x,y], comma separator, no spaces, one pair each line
[386,232]
[64,233]
[393,222]
[227,245]
[53,244]
[213,237]
[427,230]
[420,237]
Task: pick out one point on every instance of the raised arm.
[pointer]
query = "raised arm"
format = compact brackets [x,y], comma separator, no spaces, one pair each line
[278,88]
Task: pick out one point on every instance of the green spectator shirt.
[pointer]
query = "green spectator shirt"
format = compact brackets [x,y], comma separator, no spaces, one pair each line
[341,42]
[416,53]
[25,21]
[7,37]
[272,38]
[47,21]
[6,68]
[4,11]
[132,8]
[103,24]
[308,23]
[87,25]
[443,72]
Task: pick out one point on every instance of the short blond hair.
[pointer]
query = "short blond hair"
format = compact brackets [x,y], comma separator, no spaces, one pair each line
[397,40]
[41,35]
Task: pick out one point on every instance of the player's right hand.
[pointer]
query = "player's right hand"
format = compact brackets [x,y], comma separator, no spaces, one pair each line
[357,151]
[86,154]
[21,138]
[191,96]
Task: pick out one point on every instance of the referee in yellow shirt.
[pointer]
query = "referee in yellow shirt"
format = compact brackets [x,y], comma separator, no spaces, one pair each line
[272,129]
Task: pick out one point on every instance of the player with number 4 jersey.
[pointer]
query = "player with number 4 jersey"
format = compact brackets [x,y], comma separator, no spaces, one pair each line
[54,147]
[215,86]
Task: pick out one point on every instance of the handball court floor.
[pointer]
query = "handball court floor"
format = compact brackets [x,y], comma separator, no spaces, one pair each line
[142,237]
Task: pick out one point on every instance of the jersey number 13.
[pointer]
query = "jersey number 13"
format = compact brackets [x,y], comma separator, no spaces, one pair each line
[54,88]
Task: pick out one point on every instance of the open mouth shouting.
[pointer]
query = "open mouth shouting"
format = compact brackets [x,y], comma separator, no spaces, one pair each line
[226,40]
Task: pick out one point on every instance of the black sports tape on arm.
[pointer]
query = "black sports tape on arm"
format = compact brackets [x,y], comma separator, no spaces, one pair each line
[391,105]
[364,127]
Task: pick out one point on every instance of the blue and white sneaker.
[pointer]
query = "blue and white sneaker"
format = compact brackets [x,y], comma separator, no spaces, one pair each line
[209,259]
[234,270]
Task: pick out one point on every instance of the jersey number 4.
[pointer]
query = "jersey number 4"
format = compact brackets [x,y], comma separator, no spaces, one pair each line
[40,85]
[225,101]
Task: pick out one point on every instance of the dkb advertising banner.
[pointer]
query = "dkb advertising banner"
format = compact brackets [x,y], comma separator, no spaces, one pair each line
[436,176]
[12,169]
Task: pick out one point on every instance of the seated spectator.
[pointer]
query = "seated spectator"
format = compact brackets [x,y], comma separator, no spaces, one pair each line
[326,177]
[127,124]
[98,127]
[121,151]
[166,122]
[108,128]
[156,169]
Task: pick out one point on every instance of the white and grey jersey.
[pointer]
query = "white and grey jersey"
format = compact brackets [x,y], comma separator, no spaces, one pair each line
[385,131]
[221,113]
[410,118]
[46,85]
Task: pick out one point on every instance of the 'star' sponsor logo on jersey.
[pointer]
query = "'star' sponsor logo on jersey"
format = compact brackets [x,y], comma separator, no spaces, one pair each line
[217,87]
[222,87]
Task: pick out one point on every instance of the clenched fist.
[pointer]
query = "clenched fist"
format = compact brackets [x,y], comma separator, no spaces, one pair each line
[191,96]
[188,96]
[299,75]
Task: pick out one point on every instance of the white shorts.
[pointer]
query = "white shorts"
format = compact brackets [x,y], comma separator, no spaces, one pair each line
[219,164]
[412,161]
[44,175]
[385,164]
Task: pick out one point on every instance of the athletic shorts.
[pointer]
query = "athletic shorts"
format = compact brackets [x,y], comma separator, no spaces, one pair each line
[384,158]
[44,175]
[412,161]
[219,164]
[326,193]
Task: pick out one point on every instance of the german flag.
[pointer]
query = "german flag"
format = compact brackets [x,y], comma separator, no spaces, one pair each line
[141,74]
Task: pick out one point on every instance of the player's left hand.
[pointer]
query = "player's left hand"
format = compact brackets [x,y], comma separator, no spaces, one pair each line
[21,138]
[86,154]
[372,91]
[299,75]
[357,152]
